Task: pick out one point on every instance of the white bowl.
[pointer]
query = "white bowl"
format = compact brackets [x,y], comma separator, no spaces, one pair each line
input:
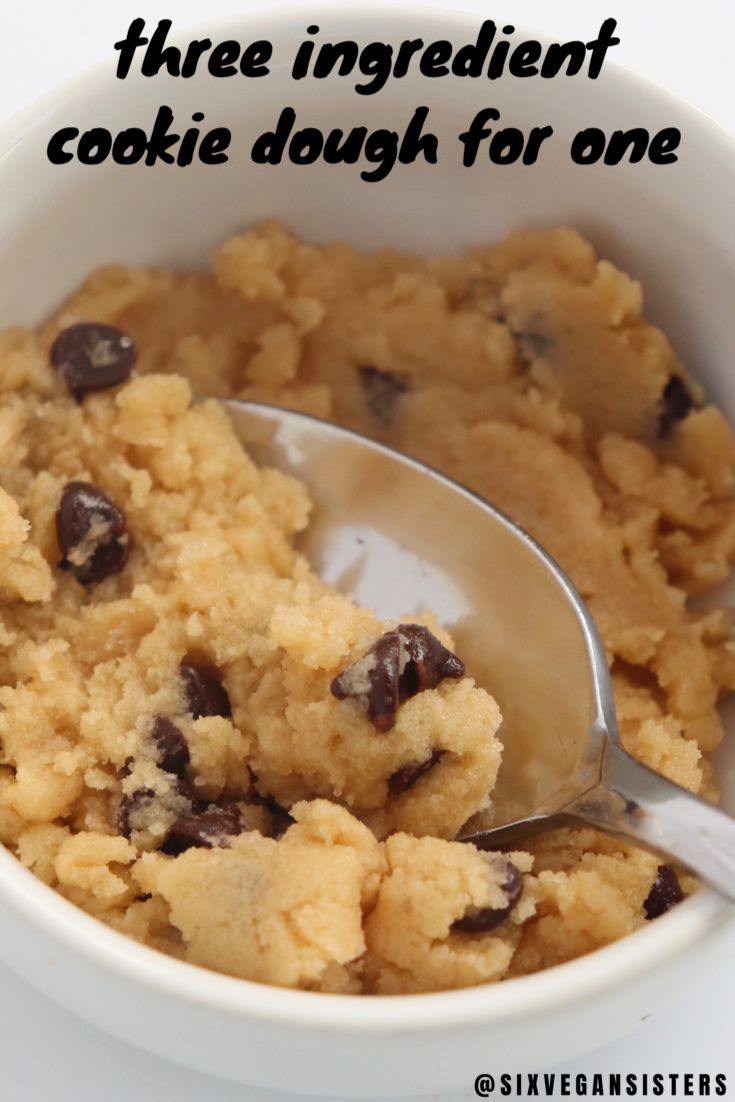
[669,226]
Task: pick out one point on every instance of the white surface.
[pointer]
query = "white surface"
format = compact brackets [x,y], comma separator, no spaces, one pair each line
[47,1053]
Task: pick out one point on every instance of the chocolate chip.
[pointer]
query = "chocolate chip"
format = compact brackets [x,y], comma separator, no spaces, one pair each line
[665,893]
[480,920]
[144,808]
[173,749]
[204,828]
[429,661]
[91,357]
[406,777]
[399,665]
[205,693]
[532,335]
[372,681]
[382,391]
[281,817]
[130,806]
[531,343]
[92,533]
[676,404]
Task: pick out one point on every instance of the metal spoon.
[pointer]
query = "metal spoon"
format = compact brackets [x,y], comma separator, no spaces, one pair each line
[402,538]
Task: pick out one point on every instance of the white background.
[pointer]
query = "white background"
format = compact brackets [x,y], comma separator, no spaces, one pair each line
[45,1053]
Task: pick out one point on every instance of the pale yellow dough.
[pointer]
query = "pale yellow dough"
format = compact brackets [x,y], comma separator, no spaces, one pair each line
[526,371]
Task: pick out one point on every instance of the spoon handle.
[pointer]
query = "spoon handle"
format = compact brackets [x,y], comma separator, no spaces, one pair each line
[634,803]
[641,806]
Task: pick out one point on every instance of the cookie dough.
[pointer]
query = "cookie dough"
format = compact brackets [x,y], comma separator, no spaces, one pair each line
[210,750]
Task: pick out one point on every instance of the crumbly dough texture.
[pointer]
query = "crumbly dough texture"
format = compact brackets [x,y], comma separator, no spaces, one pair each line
[525,370]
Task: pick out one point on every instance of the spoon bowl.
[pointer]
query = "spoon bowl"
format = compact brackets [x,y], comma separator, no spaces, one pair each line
[402,538]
